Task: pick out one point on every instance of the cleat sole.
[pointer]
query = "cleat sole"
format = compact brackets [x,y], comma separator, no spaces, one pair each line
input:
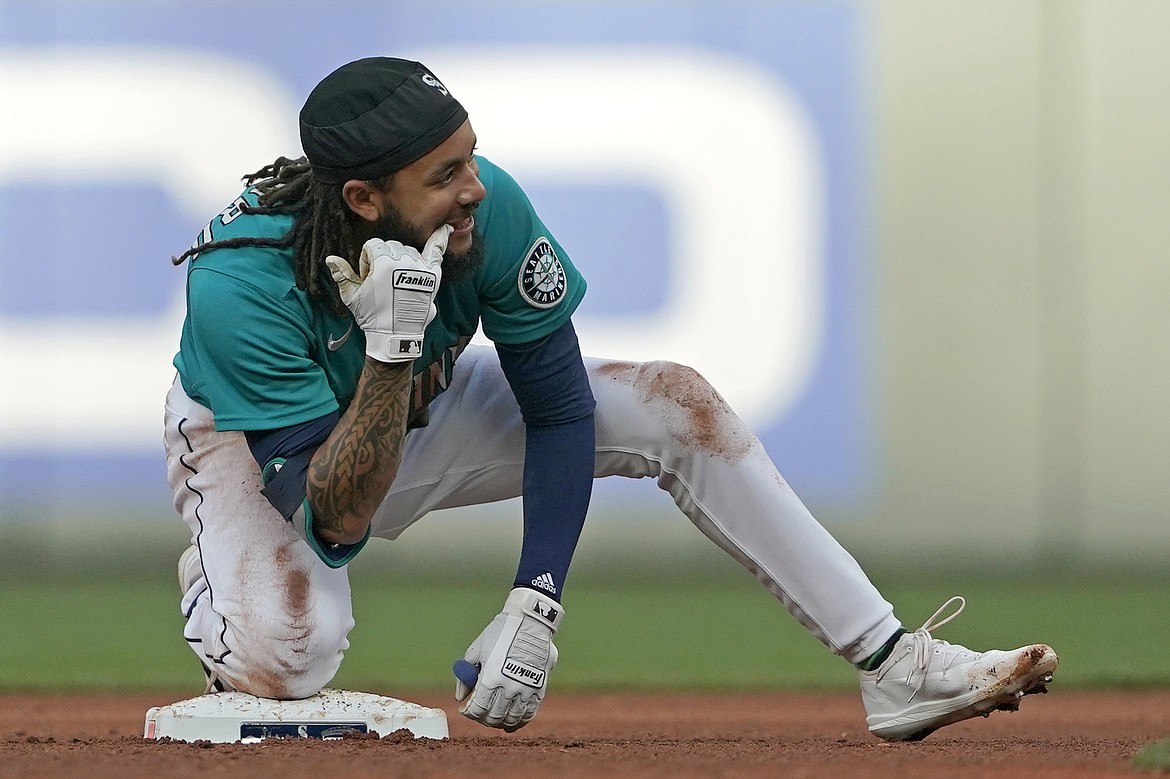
[1006,698]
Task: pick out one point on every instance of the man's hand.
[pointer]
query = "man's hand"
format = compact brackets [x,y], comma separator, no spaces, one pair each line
[514,655]
[392,296]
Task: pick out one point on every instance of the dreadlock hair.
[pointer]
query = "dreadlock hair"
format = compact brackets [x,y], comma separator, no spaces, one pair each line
[321,225]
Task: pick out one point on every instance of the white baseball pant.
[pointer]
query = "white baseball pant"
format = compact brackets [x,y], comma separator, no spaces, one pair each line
[272,619]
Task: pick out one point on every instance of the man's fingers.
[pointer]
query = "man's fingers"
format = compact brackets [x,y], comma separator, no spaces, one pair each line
[432,253]
[500,708]
[479,706]
[514,717]
[341,270]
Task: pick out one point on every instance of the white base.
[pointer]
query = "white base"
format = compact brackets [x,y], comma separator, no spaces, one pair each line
[226,717]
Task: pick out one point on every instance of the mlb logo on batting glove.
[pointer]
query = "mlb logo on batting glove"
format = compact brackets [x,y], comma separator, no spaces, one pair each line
[503,675]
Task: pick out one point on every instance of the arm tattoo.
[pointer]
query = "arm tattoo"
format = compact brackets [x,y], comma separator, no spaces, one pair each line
[353,470]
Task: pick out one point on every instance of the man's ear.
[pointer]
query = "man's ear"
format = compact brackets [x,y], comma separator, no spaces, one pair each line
[362,199]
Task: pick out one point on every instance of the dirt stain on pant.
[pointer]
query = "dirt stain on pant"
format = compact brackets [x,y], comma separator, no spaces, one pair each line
[270,678]
[696,415]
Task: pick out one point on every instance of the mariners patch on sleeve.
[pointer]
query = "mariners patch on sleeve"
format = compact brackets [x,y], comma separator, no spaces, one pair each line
[542,277]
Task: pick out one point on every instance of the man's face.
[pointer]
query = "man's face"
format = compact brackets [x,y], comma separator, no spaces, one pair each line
[393,226]
[439,188]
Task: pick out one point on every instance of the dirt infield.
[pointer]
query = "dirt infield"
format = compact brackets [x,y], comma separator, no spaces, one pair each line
[1075,734]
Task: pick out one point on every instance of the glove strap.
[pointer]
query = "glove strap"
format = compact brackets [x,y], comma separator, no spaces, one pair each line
[523,602]
[386,347]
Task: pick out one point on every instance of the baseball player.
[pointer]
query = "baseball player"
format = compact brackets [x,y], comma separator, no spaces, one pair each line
[327,392]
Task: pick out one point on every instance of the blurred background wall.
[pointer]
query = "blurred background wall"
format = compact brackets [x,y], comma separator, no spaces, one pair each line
[1021,243]
[920,245]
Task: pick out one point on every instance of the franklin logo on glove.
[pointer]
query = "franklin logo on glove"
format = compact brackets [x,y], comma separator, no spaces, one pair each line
[524,673]
[394,324]
[404,279]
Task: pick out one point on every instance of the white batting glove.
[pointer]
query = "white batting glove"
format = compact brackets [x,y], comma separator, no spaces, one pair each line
[392,296]
[513,657]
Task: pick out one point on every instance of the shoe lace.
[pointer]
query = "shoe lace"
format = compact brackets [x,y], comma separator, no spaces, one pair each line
[924,645]
[212,683]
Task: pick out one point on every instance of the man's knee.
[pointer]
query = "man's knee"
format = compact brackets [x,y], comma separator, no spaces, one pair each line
[660,382]
[291,661]
[676,409]
[290,668]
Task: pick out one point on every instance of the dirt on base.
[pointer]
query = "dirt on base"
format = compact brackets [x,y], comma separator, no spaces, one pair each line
[675,736]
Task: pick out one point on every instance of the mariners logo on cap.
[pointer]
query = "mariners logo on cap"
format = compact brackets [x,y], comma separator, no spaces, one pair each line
[542,277]
[431,81]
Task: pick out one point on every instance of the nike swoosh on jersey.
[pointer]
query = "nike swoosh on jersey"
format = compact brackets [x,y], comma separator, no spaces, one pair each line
[335,344]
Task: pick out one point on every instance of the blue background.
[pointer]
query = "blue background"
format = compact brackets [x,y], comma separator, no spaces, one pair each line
[826,445]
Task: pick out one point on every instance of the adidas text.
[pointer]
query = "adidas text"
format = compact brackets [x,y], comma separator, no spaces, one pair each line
[545,582]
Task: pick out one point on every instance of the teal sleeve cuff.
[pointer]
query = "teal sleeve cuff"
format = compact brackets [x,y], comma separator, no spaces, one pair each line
[277,486]
[333,555]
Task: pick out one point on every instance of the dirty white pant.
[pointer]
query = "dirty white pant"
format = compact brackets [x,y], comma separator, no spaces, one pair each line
[272,619]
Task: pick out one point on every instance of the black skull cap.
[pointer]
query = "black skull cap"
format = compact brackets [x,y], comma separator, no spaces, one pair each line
[374,116]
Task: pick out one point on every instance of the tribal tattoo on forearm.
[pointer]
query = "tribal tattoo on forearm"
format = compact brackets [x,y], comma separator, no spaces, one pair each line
[354,468]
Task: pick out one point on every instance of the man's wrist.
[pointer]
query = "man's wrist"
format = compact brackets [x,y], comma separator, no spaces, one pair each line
[391,348]
[526,602]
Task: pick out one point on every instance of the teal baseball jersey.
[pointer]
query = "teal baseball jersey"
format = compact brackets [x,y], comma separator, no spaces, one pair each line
[258,352]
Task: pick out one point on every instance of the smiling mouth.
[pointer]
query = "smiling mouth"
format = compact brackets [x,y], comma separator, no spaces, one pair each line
[463,225]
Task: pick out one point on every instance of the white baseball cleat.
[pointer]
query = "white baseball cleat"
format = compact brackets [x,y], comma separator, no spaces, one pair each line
[190,568]
[190,571]
[926,683]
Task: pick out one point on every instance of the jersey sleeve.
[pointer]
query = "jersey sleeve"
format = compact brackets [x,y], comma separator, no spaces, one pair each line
[252,355]
[530,287]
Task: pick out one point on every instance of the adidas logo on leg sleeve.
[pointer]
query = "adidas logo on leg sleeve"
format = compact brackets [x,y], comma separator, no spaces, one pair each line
[545,582]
